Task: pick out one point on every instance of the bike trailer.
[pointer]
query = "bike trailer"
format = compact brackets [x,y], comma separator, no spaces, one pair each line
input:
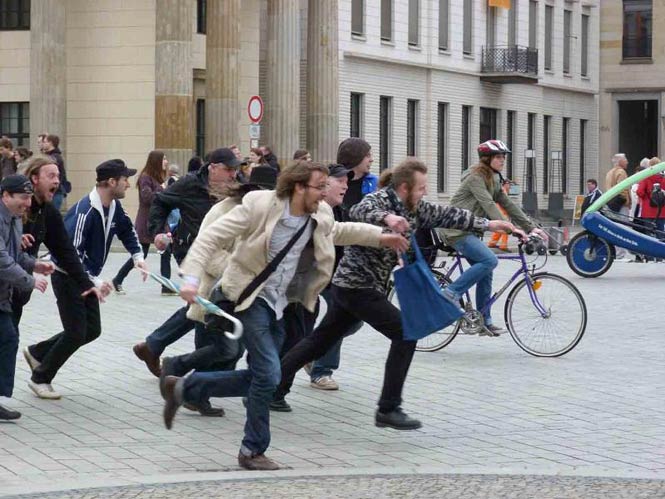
[623,236]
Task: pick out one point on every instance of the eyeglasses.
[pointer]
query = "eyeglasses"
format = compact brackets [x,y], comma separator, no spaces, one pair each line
[320,188]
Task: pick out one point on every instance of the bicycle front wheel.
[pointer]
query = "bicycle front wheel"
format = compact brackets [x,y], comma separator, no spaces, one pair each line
[546,316]
[438,339]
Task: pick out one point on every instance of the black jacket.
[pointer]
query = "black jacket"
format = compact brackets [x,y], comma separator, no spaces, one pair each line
[45,224]
[65,186]
[190,195]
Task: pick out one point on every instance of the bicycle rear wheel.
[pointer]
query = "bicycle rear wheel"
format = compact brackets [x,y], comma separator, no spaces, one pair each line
[563,325]
[439,339]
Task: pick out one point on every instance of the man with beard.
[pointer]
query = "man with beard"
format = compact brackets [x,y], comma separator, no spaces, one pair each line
[194,195]
[358,290]
[91,224]
[15,269]
[275,235]
[44,224]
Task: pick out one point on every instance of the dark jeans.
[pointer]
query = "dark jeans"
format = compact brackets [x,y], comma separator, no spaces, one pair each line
[8,349]
[80,320]
[262,338]
[174,328]
[348,306]
[164,267]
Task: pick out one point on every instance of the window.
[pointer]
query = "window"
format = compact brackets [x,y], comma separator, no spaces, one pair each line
[512,24]
[585,45]
[467,47]
[637,18]
[533,24]
[200,127]
[385,131]
[546,152]
[567,19]
[466,122]
[356,115]
[441,156]
[510,139]
[582,185]
[491,26]
[358,17]
[549,19]
[14,14]
[201,9]
[530,174]
[564,154]
[414,23]
[443,24]
[15,122]
[387,20]
[487,124]
[411,127]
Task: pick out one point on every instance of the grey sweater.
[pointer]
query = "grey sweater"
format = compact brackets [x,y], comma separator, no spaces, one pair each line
[15,264]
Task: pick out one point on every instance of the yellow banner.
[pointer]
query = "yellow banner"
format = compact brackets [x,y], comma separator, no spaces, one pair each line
[504,4]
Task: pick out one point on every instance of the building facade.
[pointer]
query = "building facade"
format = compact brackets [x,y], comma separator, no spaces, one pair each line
[430,78]
[632,94]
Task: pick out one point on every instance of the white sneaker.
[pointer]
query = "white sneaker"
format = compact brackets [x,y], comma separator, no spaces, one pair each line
[623,259]
[324,383]
[32,362]
[44,390]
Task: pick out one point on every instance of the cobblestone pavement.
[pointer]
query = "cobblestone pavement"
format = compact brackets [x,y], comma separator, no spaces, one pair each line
[398,486]
[487,407]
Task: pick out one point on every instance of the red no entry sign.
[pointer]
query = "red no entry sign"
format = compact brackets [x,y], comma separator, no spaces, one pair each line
[255,109]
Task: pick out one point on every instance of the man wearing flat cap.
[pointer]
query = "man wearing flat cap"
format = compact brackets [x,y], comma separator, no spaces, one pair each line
[16,268]
[91,224]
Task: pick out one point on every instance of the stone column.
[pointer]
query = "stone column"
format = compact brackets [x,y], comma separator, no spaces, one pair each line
[222,73]
[282,114]
[48,70]
[174,80]
[322,80]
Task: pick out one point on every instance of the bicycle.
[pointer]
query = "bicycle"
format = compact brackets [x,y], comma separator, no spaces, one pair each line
[530,307]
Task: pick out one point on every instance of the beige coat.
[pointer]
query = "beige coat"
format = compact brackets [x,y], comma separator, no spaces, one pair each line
[214,269]
[613,177]
[250,226]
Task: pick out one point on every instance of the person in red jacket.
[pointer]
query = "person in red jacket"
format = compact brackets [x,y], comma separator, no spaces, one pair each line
[650,212]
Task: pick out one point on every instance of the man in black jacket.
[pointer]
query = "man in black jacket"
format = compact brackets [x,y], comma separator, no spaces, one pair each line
[45,225]
[194,194]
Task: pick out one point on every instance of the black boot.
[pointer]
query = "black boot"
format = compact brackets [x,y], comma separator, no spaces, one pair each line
[8,414]
[206,409]
[396,419]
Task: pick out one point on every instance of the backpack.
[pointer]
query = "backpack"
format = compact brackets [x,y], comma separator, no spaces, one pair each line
[657,199]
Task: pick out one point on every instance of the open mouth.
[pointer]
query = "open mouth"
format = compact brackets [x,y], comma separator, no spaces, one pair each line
[53,190]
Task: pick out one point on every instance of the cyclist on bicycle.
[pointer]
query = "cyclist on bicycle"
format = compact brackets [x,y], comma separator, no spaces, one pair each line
[480,192]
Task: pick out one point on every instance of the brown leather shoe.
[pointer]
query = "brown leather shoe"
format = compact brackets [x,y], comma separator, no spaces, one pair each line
[173,399]
[151,360]
[257,463]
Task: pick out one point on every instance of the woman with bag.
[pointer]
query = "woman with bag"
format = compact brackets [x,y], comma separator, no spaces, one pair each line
[480,192]
[149,184]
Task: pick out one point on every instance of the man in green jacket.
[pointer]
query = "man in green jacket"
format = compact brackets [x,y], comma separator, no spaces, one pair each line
[480,192]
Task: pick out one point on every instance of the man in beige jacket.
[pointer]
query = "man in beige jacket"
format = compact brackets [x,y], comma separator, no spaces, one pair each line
[614,176]
[258,229]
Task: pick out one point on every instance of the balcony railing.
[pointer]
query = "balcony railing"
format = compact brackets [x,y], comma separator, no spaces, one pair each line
[511,61]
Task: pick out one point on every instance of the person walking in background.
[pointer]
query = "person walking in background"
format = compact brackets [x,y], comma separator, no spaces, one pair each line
[148,184]
[21,156]
[593,193]
[500,239]
[270,158]
[50,147]
[15,269]
[302,155]
[621,202]
[7,161]
[651,212]
[194,164]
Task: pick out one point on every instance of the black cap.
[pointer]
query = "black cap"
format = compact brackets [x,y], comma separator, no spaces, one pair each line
[113,168]
[340,171]
[224,155]
[16,184]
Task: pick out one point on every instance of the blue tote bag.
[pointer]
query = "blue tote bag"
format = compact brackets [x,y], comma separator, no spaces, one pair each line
[424,308]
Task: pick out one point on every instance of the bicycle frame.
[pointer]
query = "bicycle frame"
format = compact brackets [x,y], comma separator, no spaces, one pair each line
[523,270]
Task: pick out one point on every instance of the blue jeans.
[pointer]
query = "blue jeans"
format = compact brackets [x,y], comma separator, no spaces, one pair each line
[483,262]
[263,336]
[8,349]
[175,327]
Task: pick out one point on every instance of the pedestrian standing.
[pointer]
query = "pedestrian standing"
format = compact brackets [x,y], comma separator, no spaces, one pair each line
[149,184]
[51,147]
[91,225]
[621,202]
[15,269]
[7,161]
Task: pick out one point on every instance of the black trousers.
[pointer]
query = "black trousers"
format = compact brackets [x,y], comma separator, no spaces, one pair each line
[346,307]
[81,322]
